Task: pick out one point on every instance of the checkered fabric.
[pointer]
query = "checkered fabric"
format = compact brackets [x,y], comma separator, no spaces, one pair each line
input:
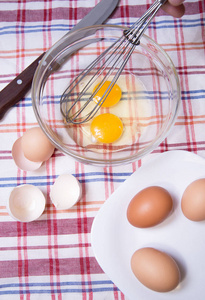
[52,258]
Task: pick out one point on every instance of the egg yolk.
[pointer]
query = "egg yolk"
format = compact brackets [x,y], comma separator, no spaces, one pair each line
[106,128]
[113,97]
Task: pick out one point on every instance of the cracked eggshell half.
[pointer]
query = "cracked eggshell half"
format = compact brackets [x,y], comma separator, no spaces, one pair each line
[20,160]
[65,192]
[26,203]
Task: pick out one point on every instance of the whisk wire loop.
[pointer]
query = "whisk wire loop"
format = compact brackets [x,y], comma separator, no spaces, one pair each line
[111,62]
[68,92]
[111,85]
[94,110]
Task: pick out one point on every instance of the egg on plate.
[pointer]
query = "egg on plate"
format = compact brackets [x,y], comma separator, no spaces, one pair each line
[155,269]
[193,200]
[149,207]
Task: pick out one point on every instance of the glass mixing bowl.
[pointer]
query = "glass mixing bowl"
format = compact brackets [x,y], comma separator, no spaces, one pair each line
[148,107]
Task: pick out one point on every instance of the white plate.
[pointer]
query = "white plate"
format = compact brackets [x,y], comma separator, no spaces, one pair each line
[114,240]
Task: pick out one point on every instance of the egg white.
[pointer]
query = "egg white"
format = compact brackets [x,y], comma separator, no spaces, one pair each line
[133,105]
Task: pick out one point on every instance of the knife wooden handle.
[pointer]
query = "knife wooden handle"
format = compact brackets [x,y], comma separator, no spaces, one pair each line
[18,87]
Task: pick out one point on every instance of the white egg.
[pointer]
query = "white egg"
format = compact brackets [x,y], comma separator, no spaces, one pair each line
[26,203]
[20,160]
[65,191]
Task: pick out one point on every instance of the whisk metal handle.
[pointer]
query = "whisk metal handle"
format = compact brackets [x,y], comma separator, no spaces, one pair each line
[112,61]
[137,29]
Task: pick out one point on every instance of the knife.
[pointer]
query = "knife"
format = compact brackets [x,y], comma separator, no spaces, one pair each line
[19,86]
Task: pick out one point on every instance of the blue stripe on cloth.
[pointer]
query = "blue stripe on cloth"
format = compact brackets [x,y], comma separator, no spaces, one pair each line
[198,94]
[169,23]
[33,284]
[63,27]
[57,287]
[34,27]
[48,180]
[106,289]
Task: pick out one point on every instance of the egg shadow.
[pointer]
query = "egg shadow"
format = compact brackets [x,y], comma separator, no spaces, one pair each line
[176,199]
[182,267]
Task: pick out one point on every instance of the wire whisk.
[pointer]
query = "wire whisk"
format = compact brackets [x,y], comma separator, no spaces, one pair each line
[109,64]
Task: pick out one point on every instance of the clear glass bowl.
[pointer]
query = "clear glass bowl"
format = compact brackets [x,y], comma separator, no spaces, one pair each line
[148,107]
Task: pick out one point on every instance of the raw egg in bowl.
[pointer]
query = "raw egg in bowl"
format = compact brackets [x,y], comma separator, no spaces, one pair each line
[137,114]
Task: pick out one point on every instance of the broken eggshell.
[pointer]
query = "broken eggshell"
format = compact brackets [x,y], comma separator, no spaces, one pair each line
[20,160]
[32,149]
[26,203]
[65,192]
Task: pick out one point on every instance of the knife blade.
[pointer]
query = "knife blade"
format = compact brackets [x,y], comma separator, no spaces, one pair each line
[18,87]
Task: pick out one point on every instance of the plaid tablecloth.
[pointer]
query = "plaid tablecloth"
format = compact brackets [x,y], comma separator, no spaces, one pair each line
[52,258]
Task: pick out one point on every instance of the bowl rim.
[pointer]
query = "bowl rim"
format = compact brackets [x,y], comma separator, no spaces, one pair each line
[93,161]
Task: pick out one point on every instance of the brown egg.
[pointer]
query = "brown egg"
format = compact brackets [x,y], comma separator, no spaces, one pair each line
[193,200]
[36,146]
[149,207]
[155,269]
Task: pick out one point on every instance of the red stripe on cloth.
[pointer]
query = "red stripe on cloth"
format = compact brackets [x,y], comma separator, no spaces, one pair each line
[41,267]
[39,228]
[186,86]
[52,223]
[84,259]
[86,239]
[39,247]
[25,255]
[50,168]
[20,116]
[180,65]
[135,11]
[202,9]
[77,13]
